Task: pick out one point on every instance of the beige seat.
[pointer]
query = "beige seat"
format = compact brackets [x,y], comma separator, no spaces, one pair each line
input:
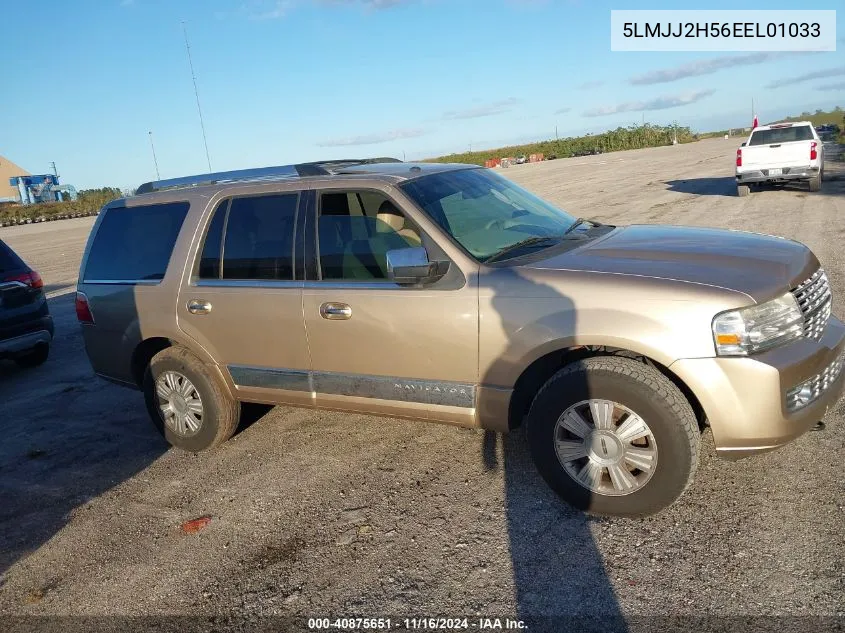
[389,216]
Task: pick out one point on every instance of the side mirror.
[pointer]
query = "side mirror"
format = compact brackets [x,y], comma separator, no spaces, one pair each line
[411,266]
[743,144]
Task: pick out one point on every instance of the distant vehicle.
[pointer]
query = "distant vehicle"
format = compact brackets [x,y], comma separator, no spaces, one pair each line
[586,152]
[26,327]
[780,152]
[448,293]
[520,160]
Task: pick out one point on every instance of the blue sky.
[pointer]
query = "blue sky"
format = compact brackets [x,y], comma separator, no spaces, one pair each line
[297,80]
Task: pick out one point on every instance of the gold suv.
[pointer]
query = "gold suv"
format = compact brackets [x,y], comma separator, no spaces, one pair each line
[447,293]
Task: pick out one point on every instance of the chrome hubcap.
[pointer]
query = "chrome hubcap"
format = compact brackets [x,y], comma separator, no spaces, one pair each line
[605,447]
[180,403]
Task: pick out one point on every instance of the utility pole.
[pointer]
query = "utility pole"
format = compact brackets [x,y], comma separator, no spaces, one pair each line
[155,161]
[197,95]
[55,171]
[556,137]
[403,155]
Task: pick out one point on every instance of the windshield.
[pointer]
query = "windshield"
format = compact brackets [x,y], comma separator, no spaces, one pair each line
[782,135]
[485,212]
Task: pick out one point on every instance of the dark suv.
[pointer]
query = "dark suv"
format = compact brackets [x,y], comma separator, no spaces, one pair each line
[26,327]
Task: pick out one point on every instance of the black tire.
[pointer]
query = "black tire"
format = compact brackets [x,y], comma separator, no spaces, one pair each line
[816,183]
[742,190]
[645,391]
[35,357]
[221,412]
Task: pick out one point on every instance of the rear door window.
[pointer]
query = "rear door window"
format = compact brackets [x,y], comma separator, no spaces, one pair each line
[135,243]
[251,238]
[9,261]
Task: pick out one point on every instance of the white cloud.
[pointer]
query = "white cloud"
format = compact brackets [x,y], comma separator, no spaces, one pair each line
[373,139]
[658,103]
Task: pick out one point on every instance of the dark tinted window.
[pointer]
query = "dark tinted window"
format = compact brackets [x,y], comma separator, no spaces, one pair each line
[259,238]
[211,251]
[134,243]
[8,259]
[782,135]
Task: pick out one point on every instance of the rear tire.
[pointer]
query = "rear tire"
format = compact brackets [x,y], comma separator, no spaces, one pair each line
[742,190]
[816,183]
[192,390]
[640,394]
[35,357]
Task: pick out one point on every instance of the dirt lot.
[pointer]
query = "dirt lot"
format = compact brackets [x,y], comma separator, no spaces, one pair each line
[318,514]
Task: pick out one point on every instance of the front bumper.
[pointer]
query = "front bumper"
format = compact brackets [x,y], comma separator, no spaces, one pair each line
[745,401]
[788,173]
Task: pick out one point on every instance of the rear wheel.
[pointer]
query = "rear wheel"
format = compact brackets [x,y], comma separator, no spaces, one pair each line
[188,404]
[742,190]
[816,183]
[35,357]
[614,437]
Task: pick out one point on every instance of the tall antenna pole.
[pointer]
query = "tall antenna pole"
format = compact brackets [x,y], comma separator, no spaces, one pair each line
[155,161]
[196,93]
[55,171]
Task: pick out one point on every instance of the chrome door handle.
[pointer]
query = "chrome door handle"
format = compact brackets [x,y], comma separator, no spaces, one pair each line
[195,306]
[335,311]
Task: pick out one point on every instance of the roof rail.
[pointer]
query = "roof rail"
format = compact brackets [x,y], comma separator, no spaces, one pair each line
[319,168]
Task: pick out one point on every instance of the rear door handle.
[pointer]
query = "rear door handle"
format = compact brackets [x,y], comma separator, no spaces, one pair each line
[195,306]
[335,311]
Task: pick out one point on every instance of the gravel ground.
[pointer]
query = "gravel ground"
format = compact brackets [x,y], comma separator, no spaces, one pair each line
[326,514]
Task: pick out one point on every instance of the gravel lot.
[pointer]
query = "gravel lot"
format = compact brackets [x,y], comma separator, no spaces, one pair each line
[325,514]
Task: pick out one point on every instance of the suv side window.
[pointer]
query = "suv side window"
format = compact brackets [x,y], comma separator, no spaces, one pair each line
[251,238]
[355,229]
[135,243]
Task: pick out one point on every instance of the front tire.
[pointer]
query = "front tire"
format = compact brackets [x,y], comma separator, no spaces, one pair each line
[188,404]
[614,437]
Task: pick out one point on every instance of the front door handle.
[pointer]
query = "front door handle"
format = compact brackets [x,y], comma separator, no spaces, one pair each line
[335,311]
[195,306]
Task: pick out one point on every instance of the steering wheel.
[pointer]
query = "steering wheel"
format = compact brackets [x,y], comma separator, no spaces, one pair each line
[499,224]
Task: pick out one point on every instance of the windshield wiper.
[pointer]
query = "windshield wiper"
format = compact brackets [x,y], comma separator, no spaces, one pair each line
[578,223]
[529,241]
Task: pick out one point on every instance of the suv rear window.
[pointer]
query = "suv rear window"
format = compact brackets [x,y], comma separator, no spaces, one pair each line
[135,243]
[782,135]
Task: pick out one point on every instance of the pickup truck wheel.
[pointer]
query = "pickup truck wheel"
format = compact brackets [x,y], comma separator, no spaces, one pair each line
[187,403]
[742,190]
[614,437]
[816,183]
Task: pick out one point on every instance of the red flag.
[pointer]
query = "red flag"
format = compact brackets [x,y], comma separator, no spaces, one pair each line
[755,124]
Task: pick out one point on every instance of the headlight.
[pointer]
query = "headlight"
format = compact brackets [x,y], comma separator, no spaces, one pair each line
[757,328]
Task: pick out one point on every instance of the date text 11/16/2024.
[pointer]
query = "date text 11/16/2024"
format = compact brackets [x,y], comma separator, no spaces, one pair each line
[415,624]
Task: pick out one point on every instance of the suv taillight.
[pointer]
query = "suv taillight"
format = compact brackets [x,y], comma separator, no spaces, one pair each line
[739,158]
[814,152]
[83,309]
[31,279]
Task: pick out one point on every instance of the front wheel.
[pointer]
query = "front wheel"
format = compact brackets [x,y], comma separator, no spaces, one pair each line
[614,437]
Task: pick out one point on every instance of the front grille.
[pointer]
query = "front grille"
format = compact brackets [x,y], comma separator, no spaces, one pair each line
[810,390]
[814,299]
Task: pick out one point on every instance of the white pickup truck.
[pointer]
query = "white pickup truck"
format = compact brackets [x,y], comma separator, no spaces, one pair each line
[778,153]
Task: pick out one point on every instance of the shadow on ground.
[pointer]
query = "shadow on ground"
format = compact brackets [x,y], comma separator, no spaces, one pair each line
[725,186]
[558,572]
[68,437]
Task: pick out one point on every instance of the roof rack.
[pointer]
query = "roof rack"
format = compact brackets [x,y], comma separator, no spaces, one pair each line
[258,174]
